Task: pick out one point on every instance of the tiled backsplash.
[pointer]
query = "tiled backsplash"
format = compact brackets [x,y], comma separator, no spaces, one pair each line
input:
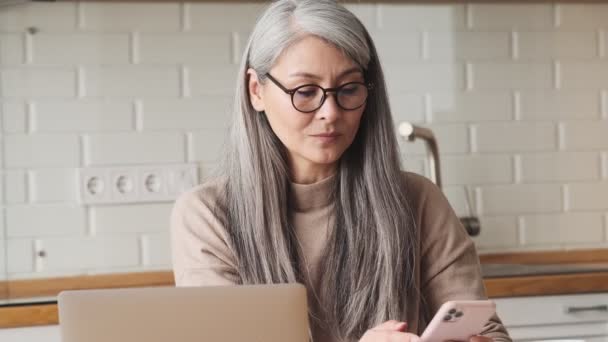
[517,94]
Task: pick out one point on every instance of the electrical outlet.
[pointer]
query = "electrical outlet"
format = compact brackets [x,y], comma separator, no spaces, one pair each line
[93,185]
[135,184]
[153,184]
[124,185]
[182,178]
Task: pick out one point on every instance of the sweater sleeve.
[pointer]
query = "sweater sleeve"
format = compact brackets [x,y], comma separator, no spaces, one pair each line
[200,252]
[449,265]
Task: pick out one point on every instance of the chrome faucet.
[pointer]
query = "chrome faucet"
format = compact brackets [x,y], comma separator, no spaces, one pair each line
[411,133]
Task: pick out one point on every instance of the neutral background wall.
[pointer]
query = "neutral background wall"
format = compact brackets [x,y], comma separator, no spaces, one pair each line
[516,93]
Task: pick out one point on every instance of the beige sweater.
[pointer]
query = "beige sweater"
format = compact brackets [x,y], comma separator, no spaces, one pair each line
[449,267]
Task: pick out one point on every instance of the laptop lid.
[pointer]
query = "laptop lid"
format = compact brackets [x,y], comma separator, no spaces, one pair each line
[256,313]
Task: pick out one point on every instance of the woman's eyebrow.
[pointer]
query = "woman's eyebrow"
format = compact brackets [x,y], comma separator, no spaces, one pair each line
[317,77]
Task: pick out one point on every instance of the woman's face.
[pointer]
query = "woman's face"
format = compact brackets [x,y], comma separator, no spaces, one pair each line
[310,61]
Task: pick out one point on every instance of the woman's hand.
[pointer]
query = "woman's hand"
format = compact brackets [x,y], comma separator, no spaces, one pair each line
[391,331]
[394,331]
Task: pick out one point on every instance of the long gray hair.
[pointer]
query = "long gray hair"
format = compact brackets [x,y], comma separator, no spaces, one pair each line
[369,265]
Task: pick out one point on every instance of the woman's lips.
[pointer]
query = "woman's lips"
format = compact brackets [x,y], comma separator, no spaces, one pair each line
[327,137]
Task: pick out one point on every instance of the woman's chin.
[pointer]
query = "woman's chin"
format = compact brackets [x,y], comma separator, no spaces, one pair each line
[326,159]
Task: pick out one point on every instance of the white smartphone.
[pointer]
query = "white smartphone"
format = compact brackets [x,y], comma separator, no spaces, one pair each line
[459,320]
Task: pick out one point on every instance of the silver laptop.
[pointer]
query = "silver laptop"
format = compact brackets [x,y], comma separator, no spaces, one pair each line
[259,313]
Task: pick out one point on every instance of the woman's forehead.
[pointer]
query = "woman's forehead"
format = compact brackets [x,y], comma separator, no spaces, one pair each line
[312,56]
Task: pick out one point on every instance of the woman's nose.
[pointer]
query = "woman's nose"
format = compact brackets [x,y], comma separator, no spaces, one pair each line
[329,110]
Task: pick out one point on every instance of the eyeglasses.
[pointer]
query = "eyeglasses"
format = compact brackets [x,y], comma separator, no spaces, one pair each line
[308,98]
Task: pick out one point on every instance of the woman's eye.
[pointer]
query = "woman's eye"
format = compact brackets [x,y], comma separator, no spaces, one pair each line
[307,92]
[350,89]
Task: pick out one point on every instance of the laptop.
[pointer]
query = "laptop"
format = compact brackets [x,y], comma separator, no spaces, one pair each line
[256,313]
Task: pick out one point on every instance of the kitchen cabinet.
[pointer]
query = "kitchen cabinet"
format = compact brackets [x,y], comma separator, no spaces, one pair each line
[48,333]
[579,316]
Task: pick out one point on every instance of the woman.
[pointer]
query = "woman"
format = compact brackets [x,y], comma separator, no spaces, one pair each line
[312,191]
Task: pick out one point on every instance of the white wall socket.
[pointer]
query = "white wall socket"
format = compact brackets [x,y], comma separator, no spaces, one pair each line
[135,184]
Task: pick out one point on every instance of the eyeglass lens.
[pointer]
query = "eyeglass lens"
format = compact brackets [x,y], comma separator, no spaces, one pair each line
[310,97]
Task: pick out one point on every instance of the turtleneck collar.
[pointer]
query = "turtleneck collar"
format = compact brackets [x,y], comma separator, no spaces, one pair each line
[309,196]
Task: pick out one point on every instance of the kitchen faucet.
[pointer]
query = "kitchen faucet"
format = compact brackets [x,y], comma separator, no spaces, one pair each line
[411,133]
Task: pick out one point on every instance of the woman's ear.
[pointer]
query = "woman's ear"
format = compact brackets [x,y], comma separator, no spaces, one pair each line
[255,90]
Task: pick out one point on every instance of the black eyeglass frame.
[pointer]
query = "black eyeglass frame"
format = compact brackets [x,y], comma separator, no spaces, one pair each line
[291,92]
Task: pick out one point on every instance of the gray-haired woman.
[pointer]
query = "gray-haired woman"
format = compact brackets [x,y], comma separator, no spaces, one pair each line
[311,190]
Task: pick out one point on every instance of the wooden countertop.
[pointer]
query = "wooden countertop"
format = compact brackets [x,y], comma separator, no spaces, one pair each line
[533,285]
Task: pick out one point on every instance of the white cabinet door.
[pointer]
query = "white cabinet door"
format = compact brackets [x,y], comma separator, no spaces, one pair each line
[34,334]
[583,317]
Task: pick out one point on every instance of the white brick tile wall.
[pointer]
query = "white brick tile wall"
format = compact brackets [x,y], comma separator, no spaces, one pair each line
[134,148]
[212,80]
[53,185]
[2,260]
[41,150]
[205,112]
[415,17]
[45,220]
[43,15]
[587,75]
[452,138]
[12,49]
[14,117]
[153,83]
[154,16]
[223,17]
[415,148]
[582,16]
[560,167]
[398,48]
[130,81]
[457,196]
[516,199]
[511,137]
[93,253]
[586,135]
[507,16]
[20,255]
[465,170]
[175,48]
[80,48]
[432,76]
[137,218]
[207,145]
[497,232]
[407,107]
[367,13]
[2,227]
[239,41]
[38,82]
[156,250]
[547,46]
[471,106]
[82,116]
[492,75]
[559,104]
[15,186]
[571,228]
[449,46]
[415,165]
[588,196]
